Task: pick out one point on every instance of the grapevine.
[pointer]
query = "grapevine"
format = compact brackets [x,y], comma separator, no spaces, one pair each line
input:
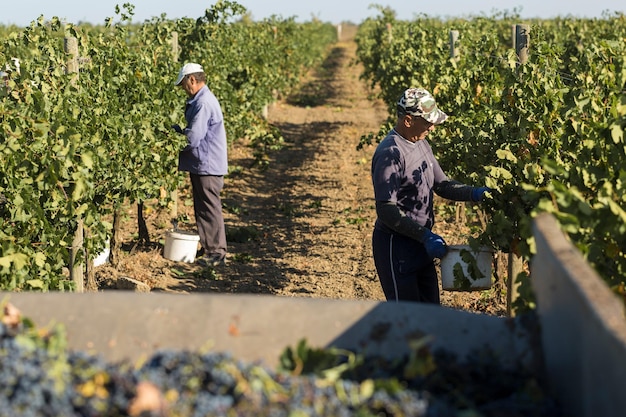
[75,147]
[546,135]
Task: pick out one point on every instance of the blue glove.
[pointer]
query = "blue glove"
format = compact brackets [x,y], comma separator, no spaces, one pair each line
[435,245]
[479,192]
[177,129]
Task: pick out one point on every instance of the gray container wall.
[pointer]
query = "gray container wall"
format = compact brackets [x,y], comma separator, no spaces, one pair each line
[583,327]
[126,325]
[583,330]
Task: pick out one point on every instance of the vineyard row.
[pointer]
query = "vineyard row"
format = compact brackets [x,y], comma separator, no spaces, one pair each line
[75,146]
[546,135]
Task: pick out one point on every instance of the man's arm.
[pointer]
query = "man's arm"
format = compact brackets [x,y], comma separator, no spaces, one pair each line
[454,190]
[389,213]
[196,128]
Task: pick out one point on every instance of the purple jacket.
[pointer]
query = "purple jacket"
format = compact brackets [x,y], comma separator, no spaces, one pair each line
[206,150]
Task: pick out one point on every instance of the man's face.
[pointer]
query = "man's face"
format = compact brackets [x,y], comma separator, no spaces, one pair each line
[420,128]
[188,84]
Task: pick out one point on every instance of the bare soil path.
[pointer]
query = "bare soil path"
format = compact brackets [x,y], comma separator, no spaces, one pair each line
[301,225]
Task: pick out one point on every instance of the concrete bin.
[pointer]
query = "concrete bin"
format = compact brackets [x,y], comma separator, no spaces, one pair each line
[582,340]
[583,327]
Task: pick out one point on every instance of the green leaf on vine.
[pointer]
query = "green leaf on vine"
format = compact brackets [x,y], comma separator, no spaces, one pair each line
[87,160]
[617,133]
[35,283]
[40,259]
[506,154]
[19,260]
[498,172]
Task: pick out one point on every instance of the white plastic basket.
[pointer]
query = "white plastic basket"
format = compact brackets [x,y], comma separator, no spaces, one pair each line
[473,272]
[181,246]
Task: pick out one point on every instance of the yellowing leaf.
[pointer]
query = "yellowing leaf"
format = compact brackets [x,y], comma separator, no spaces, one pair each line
[617,210]
[506,154]
[87,160]
[79,189]
[5,261]
[81,209]
[367,388]
[35,283]
[617,134]
[19,260]
[497,172]
[40,259]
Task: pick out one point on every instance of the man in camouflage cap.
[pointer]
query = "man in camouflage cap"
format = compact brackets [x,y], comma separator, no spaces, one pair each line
[405,175]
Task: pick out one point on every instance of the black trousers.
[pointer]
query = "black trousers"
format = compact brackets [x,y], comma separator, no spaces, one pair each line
[207,206]
[405,270]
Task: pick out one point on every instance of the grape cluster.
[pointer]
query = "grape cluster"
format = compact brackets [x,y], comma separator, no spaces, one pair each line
[40,377]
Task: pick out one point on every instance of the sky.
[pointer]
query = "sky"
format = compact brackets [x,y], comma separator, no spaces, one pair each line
[22,12]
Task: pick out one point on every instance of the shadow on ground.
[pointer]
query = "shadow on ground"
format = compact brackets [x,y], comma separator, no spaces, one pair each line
[319,90]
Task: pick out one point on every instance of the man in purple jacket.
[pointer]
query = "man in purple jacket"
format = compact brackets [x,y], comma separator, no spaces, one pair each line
[205,158]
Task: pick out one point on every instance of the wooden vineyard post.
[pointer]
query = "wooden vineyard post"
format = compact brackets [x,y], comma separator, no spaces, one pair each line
[522,41]
[175,48]
[454,40]
[514,37]
[460,215]
[514,268]
[116,244]
[76,258]
[144,234]
[70,46]
[91,278]
[77,253]
[265,111]
[174,193]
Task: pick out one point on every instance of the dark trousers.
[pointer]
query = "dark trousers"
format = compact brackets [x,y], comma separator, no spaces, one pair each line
[207,207]
[405,271]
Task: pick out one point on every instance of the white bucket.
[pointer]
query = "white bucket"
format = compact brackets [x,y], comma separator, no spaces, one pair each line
[103,257]
[467,277]
[181,246]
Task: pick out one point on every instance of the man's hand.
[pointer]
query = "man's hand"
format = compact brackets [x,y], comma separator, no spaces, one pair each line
[177,129]
[435,245]
[478,193]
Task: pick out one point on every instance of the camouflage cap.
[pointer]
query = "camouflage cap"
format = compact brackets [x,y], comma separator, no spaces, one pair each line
[419,102]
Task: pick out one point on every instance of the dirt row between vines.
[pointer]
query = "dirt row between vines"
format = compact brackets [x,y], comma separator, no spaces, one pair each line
[301,225]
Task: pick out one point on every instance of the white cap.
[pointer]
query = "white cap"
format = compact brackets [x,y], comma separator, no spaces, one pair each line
[190,68]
